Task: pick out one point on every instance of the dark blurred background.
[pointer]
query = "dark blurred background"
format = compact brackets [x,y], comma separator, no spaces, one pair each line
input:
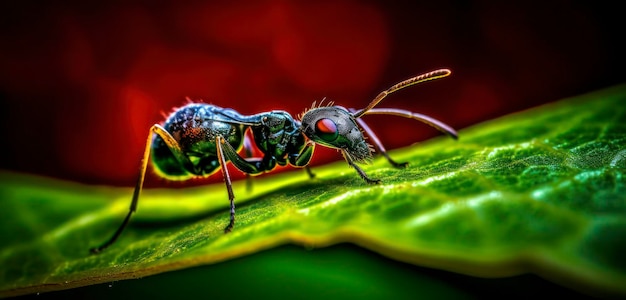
[81,82]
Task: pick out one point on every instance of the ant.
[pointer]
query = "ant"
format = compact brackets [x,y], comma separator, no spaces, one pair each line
[198,139]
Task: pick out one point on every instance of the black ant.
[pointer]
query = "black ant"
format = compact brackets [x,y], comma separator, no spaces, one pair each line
[198,139]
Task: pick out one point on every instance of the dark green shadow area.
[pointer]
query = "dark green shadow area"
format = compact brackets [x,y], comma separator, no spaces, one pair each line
[337,272]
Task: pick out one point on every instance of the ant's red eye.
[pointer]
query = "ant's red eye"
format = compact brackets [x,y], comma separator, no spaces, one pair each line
[326,129]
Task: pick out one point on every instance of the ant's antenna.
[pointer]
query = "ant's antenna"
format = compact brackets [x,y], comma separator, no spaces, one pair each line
[409,82]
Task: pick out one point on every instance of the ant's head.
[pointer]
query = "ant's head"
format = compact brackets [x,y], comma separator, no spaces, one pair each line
[335,127]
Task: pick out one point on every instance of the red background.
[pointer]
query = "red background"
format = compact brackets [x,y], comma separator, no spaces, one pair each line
[80,83]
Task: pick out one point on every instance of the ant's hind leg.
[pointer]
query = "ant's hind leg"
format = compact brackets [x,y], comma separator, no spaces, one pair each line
[173,145]
[378,145]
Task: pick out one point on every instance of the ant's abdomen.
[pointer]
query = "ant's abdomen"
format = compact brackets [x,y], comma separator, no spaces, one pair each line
[194,127]
[165,163]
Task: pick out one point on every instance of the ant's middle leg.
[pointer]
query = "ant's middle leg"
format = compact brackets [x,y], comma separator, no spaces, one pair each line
[225,151]
[219,142]
[309,172]
[247,147]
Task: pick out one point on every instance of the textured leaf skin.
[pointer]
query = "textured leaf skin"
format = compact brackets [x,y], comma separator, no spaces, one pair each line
[541,191]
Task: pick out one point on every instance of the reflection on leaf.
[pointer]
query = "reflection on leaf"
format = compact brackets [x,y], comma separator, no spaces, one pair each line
[541,191]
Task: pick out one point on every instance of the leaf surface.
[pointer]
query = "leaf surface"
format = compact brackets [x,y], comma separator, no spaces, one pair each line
[541,191]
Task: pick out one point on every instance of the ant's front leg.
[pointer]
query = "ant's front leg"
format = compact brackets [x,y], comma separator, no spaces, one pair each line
[303,158]
[350,161]
[377,144]
[247,165]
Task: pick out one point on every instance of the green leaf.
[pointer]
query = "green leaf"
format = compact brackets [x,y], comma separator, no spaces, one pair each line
[541,191]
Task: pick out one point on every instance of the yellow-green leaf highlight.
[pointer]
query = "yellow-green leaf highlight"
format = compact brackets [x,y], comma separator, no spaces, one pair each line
[541,191]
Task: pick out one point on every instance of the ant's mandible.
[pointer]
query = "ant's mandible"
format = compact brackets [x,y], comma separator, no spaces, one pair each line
[199,139]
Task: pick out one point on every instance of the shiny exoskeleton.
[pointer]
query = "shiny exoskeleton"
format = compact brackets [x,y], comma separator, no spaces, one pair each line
[197,129]
[199,139]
